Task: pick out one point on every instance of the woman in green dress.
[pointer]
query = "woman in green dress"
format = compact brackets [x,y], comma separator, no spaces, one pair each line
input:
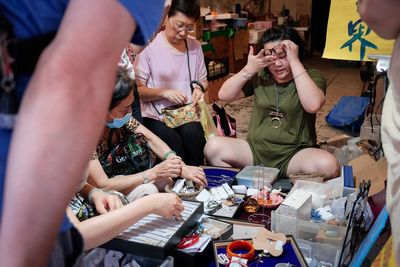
[287,97]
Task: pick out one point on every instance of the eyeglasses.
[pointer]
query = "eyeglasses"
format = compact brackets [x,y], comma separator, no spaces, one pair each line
[180,26]
[278,50]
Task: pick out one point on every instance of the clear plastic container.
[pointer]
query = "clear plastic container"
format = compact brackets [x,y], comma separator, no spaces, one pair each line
[324,240]
[371,132]
[257,176]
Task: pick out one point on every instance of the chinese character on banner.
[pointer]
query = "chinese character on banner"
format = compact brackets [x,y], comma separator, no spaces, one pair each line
[348,37]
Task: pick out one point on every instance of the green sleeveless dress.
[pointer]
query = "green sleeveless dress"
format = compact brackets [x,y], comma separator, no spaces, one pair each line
[274,146]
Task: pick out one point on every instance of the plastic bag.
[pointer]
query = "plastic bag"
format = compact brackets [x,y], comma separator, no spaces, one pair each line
[206,121]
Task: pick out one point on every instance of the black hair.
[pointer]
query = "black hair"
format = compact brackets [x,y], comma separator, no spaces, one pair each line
[123,86]
[189,8]
[280,33]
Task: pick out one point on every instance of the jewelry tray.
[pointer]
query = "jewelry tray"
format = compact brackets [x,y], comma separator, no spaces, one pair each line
[154,236]
[218,229]
[291,254]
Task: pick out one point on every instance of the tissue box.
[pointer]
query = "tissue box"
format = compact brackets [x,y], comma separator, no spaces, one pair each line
[297,205]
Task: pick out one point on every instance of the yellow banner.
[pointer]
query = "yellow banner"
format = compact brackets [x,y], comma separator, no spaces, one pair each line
[348,37]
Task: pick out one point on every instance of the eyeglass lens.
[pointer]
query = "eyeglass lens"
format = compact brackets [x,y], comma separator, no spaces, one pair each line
[180,27]
[278,50]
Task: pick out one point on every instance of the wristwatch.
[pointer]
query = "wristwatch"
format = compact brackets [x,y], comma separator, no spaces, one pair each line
[145,178]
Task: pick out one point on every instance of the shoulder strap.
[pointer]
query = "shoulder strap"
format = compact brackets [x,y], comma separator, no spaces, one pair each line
[109,141]
[188,63]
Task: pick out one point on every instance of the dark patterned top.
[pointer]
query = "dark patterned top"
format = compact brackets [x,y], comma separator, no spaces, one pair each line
[127,129]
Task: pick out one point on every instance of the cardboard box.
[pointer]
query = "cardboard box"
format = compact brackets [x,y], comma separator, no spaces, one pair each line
[255,36]
[366,168]
[338,140]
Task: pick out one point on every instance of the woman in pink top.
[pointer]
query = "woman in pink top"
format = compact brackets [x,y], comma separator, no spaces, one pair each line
[163,73]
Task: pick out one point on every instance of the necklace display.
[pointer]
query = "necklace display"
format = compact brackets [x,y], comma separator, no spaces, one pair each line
[277,115]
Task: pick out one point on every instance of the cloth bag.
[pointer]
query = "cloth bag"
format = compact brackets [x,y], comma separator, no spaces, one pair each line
[177,115]
[131,155]
[225,124]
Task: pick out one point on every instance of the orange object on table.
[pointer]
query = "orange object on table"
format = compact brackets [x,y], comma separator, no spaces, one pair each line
[240,244]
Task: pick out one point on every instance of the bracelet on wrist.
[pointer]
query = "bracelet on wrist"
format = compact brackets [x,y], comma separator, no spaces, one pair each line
[298,75]
[145,178]
[90,195]
[245,74]
[167,154]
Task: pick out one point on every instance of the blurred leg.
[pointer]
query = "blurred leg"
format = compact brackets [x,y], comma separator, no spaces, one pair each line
[228,152]
[314,160]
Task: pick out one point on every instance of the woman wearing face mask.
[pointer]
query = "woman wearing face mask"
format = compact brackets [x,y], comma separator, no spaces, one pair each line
[163,72]
[125,150]
[287,97]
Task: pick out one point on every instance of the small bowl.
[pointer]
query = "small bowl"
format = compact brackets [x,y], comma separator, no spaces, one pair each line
[188,196]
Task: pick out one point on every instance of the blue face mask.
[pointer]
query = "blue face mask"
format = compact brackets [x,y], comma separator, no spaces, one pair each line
[118,123]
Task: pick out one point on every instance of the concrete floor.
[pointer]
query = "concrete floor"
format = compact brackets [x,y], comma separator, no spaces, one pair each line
[341,81]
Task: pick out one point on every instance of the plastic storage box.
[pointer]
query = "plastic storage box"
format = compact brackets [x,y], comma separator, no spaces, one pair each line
[321,243]
[371,132]
[250,176]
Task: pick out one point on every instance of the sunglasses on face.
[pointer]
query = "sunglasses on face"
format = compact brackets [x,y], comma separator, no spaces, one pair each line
[277,50]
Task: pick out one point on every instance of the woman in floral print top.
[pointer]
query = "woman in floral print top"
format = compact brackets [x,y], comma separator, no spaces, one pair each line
[126,151]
